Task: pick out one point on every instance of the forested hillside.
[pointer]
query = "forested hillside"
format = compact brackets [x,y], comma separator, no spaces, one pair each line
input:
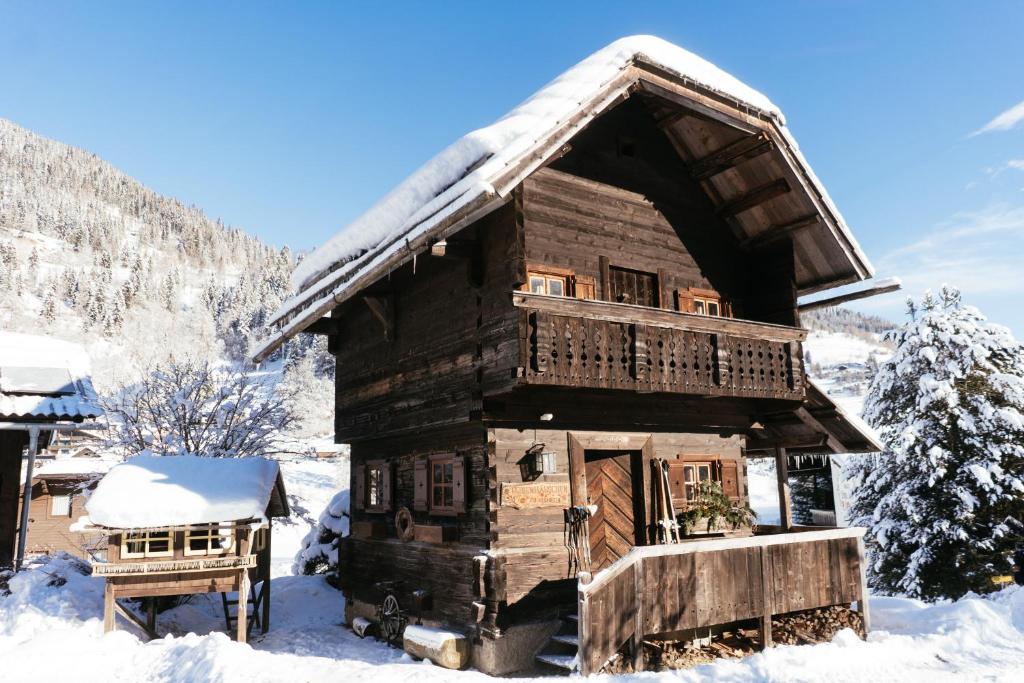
[90,254]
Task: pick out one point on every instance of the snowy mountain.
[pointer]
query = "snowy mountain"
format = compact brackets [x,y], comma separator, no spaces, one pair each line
[89,254]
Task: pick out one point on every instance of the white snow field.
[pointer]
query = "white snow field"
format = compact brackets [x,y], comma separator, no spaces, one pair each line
[54,633]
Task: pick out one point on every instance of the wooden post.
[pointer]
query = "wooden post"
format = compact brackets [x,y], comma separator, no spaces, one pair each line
[785,502]
[266,585]
[768,593]
[151,615]
[862,596]
[108,607]
[242,619]
[638,617]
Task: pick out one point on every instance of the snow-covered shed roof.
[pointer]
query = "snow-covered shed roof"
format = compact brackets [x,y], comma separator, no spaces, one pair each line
[150,491]
[43,378]
[477,173]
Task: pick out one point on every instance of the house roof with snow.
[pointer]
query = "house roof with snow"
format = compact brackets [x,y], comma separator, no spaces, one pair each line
[477,174]
[42,378]
[150,491]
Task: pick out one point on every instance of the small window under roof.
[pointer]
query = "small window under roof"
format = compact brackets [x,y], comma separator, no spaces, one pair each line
[46,381]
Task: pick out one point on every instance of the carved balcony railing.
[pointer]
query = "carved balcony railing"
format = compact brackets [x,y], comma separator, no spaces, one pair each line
[601,345]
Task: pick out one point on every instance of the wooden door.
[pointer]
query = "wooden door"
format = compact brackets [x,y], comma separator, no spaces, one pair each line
[616,526]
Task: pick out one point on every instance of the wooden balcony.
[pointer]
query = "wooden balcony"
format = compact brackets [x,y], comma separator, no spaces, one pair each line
[671,589]
[601,345]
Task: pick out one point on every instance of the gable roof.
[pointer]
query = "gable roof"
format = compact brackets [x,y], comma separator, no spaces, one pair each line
[477,173]
[44,378]
[150,491]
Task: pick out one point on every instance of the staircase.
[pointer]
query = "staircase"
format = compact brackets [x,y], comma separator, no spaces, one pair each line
[562,650]
[251,611]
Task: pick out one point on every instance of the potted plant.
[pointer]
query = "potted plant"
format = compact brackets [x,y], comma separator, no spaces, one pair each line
[713,507]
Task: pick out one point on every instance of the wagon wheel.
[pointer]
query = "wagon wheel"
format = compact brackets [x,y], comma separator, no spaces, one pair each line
[391,619]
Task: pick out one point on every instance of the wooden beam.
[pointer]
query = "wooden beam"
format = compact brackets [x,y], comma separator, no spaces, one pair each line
[774,233]
[731,155]
[785,500]
[759,195]
[108,607]
[383,309]
[814,423]
[131,616]
[452,250]
[770,444]
[326,326]
[883,287]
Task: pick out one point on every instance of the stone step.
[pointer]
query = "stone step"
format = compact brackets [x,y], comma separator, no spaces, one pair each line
[564,662]
[567,639]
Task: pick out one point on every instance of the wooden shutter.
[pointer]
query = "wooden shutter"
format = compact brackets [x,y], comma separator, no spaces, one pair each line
[684,301]
[387,491]
[730,479]
[584,287]
[459,484]
[359,501]
[420,498]
[677,480]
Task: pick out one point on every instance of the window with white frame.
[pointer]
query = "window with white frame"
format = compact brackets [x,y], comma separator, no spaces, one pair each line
[207,539]
[146,544]
[60,506]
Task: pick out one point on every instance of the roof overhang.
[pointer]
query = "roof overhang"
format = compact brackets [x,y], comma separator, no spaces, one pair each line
[819,425]
[701,123]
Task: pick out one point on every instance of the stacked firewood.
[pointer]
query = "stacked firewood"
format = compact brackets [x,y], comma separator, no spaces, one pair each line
[798,628]
[815,626]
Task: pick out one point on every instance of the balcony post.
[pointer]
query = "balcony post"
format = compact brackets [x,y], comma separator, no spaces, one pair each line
[785,502]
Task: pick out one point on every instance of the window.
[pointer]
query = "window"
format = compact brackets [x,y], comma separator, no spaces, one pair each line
[685,476]
[146,544]
[703,302]
[633,287]
[373,486]
[548,283]
[60,506]
[442,485]
[207,539]
[695,473]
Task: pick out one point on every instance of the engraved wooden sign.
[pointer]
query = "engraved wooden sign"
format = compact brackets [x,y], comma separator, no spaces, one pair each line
[535,494]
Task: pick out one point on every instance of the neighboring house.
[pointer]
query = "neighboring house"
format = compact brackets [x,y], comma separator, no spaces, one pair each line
[44,389]
[60,487]
[605,279]
[181,525]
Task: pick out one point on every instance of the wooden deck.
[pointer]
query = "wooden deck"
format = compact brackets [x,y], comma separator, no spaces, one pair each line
[600,345]
[675,588]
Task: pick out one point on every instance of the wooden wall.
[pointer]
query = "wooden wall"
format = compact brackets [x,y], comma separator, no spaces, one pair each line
[49,534]
[531,542]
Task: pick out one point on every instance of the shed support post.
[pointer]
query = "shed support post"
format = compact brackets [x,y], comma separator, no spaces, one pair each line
[108,607]
[26,498]
[785,502]
[266,585]
[151,615]
[243,606]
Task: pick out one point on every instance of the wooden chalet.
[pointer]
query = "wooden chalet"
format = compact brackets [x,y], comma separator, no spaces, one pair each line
[181,525]
[45,389]
[606,277]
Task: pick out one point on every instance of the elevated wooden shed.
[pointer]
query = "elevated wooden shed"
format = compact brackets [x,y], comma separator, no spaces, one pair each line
[180,525]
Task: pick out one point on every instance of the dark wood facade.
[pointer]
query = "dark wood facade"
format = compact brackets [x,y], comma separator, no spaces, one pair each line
[610,313]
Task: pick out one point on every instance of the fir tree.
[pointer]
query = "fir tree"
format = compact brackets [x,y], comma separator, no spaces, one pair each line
[949,407]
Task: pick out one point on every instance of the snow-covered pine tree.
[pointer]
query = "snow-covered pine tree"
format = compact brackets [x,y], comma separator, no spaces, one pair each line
[949,406]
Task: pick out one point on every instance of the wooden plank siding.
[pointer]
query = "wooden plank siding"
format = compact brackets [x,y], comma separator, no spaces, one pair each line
[677,588]
[49,533]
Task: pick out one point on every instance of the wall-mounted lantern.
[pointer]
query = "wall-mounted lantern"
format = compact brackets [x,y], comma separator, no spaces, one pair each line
[537,461]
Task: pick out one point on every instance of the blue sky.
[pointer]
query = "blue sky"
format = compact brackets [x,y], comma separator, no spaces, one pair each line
[289,121]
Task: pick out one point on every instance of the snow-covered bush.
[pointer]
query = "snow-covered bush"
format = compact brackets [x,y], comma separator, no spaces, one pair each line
[319,552]
[949,406]
[191,406]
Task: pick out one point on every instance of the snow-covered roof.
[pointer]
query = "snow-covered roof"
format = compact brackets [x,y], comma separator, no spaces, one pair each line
[69,467]
[150,491]
[45,378]
[475,174]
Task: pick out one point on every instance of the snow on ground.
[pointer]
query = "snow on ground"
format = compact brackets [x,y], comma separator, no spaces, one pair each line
[311,483]
[61,625]
[837,348]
